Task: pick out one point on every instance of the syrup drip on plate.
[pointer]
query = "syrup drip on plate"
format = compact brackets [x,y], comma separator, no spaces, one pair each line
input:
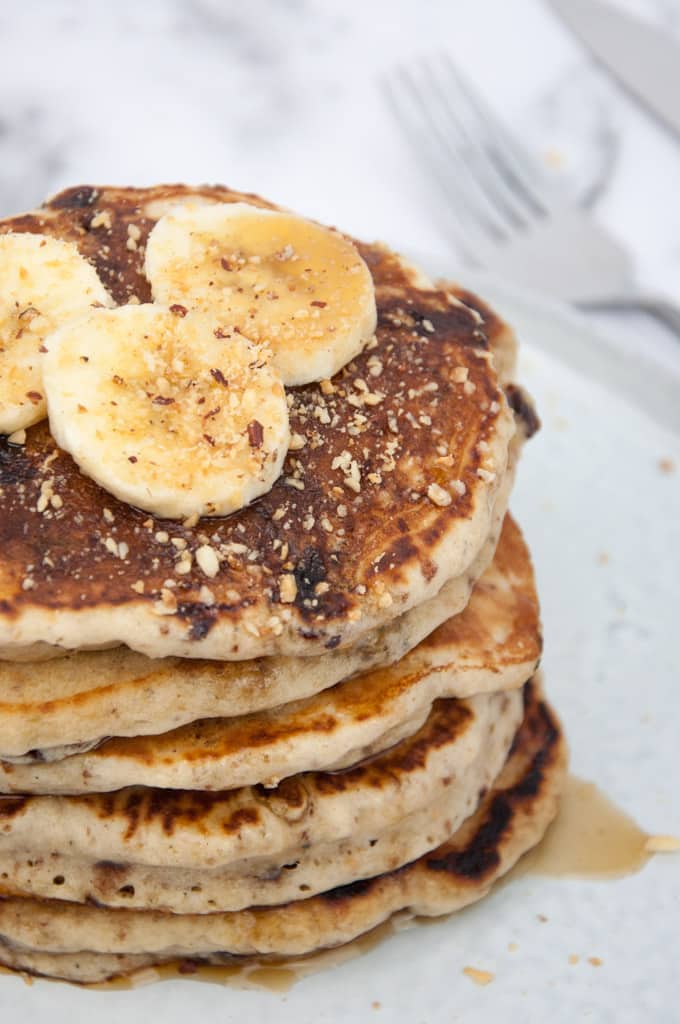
[590,838]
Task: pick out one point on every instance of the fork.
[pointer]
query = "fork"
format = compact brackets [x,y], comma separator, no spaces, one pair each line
[502,210]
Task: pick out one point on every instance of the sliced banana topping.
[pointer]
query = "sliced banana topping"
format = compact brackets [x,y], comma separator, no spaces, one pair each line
[44,282]
[166,410]
[301,288]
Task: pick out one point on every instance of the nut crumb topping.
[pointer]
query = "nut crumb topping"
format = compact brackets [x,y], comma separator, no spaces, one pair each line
[183,565]
[208,561]
[101,219]
[167,605]
[297,443]
[287,588]
[438,495]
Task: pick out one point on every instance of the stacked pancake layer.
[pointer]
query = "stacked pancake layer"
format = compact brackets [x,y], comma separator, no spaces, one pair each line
[235,770]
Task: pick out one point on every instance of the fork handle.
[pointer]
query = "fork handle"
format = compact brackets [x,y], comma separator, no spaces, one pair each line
[657,306]
[663,310]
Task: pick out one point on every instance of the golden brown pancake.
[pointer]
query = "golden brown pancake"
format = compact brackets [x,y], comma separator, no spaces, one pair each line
[87,944]
[493,644]
[199,851]
[406,789]
[85,695]
[350,516]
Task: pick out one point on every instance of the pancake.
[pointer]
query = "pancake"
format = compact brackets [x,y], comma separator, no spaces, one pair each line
[299,873]
[493,644]
[369,448]
[264,734]
[82,697]
[90,847]
[88,944]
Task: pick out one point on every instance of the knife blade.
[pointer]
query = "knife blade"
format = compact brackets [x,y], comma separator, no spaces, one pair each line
[645,58]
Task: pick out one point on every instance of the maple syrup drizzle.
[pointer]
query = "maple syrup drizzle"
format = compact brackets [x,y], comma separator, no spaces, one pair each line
[590,838]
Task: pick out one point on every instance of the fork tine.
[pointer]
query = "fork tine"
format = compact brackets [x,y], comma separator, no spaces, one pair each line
[456,112]
[463,229]
[463,224]
[413,110]
[511,158]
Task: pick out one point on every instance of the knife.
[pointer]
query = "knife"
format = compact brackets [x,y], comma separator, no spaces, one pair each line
[646,59]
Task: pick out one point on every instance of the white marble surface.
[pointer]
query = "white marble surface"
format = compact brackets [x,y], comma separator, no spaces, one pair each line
[281,97]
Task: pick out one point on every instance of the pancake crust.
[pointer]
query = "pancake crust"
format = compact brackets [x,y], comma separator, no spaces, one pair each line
[251,826]
[434,786]
[87,695]
[493,644]
[88,944]
[350,516]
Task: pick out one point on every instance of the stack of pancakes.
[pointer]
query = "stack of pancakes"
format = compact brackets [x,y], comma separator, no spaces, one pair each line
[199,768]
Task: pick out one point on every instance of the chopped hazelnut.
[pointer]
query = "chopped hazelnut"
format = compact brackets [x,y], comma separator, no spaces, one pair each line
[287,588]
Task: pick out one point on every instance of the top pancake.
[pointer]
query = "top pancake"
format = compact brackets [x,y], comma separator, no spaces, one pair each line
[349,516]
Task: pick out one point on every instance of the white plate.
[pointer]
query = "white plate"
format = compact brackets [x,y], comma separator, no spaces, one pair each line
[590,485]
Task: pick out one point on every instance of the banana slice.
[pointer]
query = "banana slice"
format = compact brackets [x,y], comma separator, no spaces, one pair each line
[164,412]
[301,288]
[43,283]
